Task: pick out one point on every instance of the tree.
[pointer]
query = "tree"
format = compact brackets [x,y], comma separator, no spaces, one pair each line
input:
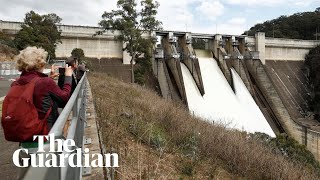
[198,43]
[78,53]
[4,37]
[41,31]
[132,24]
[6,40]
[290,26]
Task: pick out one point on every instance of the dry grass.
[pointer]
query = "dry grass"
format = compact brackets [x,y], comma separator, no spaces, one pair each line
[161,140]
[7,53]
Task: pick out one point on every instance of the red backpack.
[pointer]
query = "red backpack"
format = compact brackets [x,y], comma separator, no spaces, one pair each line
[20,119]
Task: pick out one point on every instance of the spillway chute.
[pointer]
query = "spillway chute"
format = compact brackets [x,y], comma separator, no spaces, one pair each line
[255,122]
[220,104]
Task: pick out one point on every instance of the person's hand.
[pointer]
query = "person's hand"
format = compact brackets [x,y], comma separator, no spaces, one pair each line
[68,71]
[53,72]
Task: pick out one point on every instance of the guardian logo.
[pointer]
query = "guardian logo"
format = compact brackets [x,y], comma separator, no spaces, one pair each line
[60,153]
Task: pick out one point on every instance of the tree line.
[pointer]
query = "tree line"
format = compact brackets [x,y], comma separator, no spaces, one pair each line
[312,63]
[303,25]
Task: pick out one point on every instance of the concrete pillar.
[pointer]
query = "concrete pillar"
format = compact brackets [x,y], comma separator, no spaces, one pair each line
[242,45]
[99,49]
[207,45]
[217,39]
[166,46]
[261,45]
[228,46]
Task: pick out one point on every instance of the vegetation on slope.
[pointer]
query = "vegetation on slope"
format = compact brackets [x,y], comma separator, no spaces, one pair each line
[290,148]
[6,40]
[303,25]
[313,70]
[7,53]
[156,138]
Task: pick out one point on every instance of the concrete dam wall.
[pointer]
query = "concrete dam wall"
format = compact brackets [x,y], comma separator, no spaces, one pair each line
[104,46]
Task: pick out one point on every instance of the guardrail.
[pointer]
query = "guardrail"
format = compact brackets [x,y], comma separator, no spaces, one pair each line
[76,107]
[8,70]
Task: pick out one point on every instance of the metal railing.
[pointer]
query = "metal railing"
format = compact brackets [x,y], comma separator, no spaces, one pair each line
[76,107]
[8,70]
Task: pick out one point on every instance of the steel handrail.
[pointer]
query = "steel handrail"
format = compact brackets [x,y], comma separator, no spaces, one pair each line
[76,103]
[57,128]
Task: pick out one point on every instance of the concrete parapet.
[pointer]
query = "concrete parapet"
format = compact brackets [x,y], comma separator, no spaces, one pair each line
[105,46]
[260,46]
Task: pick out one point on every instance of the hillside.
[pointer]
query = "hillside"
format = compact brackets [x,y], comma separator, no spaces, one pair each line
[7,53]
[304,25]
[159,139]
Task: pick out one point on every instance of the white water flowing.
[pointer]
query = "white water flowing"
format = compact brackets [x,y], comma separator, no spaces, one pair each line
[256,121]
[219,103]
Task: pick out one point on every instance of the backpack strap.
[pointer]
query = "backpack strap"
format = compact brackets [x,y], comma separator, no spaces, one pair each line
[47,114]
[33,81]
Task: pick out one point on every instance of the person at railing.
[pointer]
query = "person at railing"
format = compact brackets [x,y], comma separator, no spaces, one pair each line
[81,69]
[73,63]
[47,95]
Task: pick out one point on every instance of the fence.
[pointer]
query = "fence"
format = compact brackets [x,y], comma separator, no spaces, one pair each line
[77,107]
[8,71]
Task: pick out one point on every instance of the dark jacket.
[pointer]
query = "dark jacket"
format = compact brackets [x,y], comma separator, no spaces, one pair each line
[74,82]
[47,94]
[80,72]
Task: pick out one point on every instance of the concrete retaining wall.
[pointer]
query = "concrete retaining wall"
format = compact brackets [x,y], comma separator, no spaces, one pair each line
[280,48]
[288,49]
[102,46]
[98,48]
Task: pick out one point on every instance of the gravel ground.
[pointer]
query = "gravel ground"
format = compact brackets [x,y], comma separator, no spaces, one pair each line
[4,87]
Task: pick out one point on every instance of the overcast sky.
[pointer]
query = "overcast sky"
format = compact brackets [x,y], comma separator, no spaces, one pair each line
[201,16]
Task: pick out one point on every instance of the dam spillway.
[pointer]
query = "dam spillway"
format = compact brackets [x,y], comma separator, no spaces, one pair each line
[220,103]
[260,100]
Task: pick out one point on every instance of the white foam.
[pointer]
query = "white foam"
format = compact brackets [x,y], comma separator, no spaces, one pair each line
[220,103]
[255,122]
